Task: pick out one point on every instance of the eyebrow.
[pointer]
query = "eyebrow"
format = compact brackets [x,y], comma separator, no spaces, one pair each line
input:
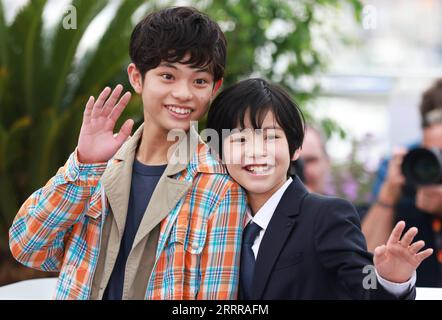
[267,128]
[203,70]
[263,129]
[170,65]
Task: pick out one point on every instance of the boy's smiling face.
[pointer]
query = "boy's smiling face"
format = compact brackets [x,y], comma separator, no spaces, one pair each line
[258,159]
[174,94]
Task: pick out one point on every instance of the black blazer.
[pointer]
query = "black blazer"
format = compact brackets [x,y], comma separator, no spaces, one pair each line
[313,248]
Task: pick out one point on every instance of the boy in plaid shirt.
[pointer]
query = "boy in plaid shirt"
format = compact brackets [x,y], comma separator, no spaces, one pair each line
[136,217]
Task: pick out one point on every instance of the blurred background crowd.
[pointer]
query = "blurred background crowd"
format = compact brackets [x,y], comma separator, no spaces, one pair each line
[366,73]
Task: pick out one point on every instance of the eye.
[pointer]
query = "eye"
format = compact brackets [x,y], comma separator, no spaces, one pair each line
[271,136]
[201,81]
[238,139]
[167,76]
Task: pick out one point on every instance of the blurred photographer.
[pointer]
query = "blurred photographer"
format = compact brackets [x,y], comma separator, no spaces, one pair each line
[409,188]
[316,162]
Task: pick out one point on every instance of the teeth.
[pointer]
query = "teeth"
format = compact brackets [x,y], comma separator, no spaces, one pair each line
[179,110]
[258,169]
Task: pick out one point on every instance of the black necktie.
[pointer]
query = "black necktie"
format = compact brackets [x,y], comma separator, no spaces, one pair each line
[250,233]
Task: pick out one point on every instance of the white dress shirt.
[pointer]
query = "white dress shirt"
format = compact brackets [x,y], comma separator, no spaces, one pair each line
[265,213]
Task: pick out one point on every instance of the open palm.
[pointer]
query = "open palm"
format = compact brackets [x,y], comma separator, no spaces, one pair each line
[399,258]
[97,141]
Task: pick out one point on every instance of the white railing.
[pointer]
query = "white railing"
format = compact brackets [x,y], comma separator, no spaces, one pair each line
[42,289]
[36,289]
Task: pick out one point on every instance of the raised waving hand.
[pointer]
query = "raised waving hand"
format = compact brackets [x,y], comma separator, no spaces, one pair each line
[97,141]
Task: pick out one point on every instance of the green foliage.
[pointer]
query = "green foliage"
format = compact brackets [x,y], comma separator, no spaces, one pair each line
[43,91]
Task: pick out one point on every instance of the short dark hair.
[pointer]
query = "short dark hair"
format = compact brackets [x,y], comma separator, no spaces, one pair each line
[431,100]
[259,96]
[171,33]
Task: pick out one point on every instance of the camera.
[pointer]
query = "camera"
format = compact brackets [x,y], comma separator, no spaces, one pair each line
[422,166]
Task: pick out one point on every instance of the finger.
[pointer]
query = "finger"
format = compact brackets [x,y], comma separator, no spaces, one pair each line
[396,233]
[430,191]
[100,101]
[379,254]
[408,237]
[380,250]
[420,200]
[421,256]
[125,131]
[396,160]
[88,109]
[110,103]
[399,152]
[415,247]
[118,109]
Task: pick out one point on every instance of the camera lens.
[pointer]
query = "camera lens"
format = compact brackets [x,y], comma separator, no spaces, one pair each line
[423,166]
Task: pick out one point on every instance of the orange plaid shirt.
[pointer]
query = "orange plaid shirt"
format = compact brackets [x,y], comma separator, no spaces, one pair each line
[59,228]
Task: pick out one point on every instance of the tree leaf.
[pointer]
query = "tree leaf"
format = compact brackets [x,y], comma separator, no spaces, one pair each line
[24,64]
[111,53]
[65,46]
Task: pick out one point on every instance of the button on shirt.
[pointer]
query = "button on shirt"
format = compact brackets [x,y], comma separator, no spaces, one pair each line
[264,215]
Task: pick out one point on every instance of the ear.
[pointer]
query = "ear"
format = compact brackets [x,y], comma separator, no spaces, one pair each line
[297,154]
[216,87]
[135,78]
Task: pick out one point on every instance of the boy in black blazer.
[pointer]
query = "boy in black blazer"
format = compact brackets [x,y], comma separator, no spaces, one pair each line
[296,244]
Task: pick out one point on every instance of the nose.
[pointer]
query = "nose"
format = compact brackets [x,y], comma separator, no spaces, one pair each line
[181,91]
[257,147]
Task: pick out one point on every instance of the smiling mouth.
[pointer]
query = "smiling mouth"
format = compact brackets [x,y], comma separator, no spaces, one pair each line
[179,110]
[258,169]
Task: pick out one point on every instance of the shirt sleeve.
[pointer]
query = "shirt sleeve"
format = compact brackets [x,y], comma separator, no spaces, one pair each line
[397,289]
[39,231]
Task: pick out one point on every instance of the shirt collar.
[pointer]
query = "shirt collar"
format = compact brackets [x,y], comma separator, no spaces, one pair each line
[263,216]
